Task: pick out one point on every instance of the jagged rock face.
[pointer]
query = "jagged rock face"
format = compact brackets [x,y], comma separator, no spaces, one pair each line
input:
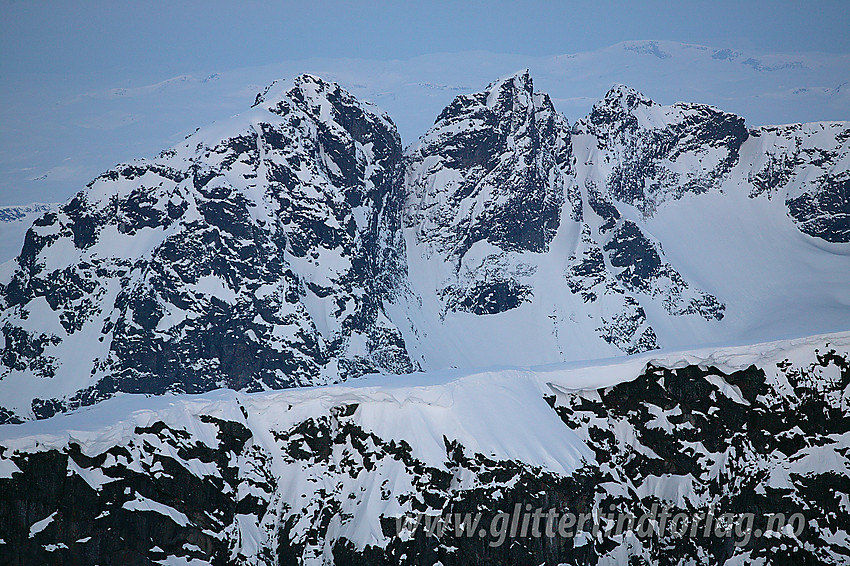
[120,506]
[296,245]
[615,266]
[254,258]
[763,440]
[633,151]
[502,158]
[623,320]
[645,153]
[824,213]
[491,169]
[244,480]
[806,165]
[14,223]
[485,182]
[215,497]
[640,268]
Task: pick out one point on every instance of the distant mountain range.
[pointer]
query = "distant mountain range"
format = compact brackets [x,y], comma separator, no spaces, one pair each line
[298,243]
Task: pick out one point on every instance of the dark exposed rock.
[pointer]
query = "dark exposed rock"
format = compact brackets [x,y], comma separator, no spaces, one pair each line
[825,212]
[657,150]
[803,164]
[508,150]
[508,145]
[689,439]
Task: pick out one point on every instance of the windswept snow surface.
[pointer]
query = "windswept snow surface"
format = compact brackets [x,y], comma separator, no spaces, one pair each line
[320,473]
[499,412]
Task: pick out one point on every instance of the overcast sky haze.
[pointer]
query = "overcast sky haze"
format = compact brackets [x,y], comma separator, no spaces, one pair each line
[81,82]
[114,40]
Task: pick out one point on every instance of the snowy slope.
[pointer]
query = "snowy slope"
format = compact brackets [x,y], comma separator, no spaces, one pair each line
[319,474]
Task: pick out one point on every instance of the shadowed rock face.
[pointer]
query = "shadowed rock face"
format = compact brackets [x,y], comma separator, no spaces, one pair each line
[805,164]
[766,439]
[254,259]
[490,172]
[505,150]
[825,212]
[497,165]
[293,245]
[657,153]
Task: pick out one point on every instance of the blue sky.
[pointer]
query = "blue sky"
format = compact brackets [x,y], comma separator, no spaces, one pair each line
[108,40]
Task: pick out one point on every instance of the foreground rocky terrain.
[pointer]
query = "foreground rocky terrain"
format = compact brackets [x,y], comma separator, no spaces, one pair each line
[321,475]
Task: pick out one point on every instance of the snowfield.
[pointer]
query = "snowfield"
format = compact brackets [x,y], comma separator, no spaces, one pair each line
[317,472]
[493,410]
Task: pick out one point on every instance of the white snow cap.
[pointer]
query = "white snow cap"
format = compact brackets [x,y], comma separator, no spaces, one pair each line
[625,97]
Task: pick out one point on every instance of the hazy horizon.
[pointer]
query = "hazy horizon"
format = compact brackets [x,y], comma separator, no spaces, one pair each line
[86,85]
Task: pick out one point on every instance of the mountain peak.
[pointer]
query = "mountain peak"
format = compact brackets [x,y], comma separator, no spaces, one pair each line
[281,88]
[508,95]
[520,80]
[625,97]
[327,103]
[270,232]
[517,87]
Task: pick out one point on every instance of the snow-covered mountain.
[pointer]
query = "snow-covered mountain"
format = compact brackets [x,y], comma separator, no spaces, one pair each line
[256,254]
[507,215]
[641,226]
[297,244]
[320,475]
